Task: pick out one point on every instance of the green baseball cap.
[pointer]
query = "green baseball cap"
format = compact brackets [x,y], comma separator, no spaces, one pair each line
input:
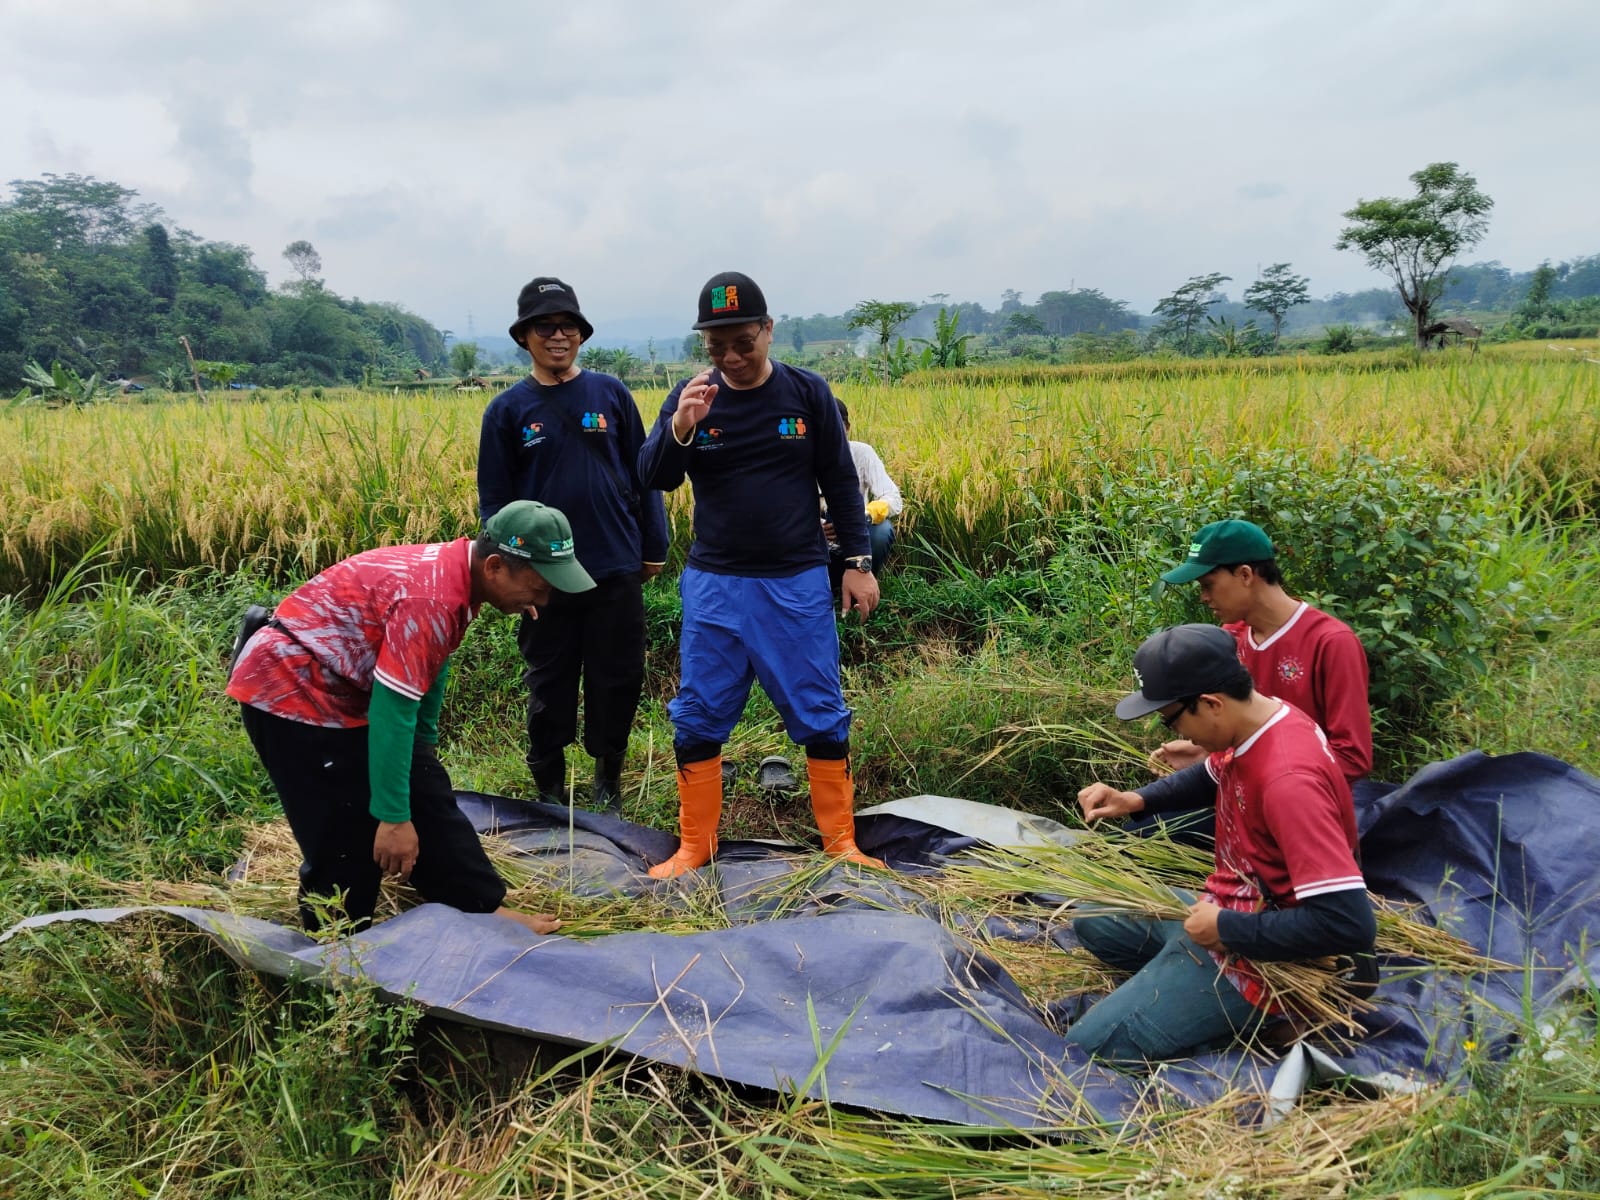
[541,537]
[1222,544]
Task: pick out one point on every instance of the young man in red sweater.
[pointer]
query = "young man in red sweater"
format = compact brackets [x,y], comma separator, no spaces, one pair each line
[1293,651]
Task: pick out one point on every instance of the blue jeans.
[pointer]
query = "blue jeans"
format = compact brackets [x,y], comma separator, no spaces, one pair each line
[880,537]
[1177,1002]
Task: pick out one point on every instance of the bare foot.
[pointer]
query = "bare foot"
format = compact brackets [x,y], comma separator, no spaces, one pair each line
[538,922]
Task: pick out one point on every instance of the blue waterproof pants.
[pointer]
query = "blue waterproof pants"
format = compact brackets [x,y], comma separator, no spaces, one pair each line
[737,630]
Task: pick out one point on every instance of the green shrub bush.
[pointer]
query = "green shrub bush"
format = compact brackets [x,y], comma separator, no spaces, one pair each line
[1389,547]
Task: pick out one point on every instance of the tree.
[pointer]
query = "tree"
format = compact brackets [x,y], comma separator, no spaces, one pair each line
[1538,297]
[1275,293]
[161,265]
[304,260]
[883,317]
[1082,310]
[464,358]
[1413,241]
[1186,307]
[1020,323]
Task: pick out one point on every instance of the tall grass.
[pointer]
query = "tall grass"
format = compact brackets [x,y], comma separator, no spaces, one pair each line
[135,1060]
[292,485]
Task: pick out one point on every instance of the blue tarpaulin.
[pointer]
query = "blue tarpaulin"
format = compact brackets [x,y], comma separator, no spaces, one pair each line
[857,993]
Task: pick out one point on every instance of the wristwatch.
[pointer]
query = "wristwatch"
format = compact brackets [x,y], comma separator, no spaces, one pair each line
[861,562]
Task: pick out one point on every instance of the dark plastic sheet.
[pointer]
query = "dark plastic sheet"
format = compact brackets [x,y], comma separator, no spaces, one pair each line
[846,996]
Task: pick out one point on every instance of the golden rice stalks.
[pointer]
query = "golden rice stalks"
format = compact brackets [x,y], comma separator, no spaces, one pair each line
[1145,877]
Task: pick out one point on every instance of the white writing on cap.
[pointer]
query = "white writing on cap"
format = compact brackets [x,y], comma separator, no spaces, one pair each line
[551,287]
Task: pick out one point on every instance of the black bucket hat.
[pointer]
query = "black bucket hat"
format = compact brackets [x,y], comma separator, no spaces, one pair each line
[547,296]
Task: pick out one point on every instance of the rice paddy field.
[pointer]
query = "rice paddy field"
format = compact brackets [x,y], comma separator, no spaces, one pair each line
[1446,505]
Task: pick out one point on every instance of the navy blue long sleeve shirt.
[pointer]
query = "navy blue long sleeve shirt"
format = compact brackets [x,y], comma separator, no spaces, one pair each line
[756,464]
[539,442]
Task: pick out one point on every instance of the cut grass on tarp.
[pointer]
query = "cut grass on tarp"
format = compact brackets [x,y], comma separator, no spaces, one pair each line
[1145,877]
[986,895]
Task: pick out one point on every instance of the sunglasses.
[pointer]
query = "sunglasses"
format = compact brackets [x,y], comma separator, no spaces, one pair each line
[550,328]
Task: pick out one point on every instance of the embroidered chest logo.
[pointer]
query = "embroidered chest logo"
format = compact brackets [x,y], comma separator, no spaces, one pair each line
[532,434]
[709,439]
[1290,670]
[594,422]
[792,428]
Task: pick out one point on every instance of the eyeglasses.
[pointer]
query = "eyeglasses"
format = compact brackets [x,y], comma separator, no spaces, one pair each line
[550,328]
[1170,720]
[741,346]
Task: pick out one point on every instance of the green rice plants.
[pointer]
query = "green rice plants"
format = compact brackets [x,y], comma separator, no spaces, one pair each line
[136,1060]
[110,726]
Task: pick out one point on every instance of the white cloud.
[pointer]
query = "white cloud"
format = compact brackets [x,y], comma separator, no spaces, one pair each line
[439,157]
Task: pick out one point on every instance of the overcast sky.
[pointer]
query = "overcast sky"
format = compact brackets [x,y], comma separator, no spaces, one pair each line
[439,155]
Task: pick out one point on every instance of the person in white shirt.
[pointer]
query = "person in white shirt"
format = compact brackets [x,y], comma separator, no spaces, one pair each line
[879,495]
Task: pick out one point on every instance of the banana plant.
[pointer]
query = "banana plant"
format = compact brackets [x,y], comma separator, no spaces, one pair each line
[62,386]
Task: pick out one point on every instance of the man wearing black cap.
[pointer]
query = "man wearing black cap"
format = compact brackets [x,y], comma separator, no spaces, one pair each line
[757,440]
[1293,651]
[340,694]
[571,438]
[1286,885]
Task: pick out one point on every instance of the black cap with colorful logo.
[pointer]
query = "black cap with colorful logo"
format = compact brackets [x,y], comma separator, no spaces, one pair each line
[1222,544]
[1177,663]
[547,296]
[540,536]
[730,298]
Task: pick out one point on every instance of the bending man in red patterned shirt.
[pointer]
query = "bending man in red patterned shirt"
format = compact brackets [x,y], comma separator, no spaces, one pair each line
[1293,651]
[340,694]
[1286,883]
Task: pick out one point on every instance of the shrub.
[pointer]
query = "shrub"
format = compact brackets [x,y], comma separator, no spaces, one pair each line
[1389,547]
[1339,339]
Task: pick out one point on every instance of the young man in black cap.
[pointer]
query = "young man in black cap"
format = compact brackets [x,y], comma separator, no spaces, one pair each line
[571,438]
[340,694]
[1286,885]
[1293,651]
[758,439]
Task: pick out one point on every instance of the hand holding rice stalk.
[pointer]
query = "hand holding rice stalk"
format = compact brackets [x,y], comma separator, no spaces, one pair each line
[1147,877]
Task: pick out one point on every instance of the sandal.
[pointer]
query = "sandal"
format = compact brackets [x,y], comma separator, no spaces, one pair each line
[775,774]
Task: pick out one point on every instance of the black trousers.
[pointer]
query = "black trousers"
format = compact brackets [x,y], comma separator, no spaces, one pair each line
[321,779]
[598,635]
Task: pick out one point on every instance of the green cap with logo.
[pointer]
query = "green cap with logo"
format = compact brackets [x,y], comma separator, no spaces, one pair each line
[541,537]
[1222,544]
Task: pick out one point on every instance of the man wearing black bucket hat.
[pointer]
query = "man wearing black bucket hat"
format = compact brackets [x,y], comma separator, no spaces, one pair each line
[757,440]
[571,438]
[1286,882]
[340,694]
